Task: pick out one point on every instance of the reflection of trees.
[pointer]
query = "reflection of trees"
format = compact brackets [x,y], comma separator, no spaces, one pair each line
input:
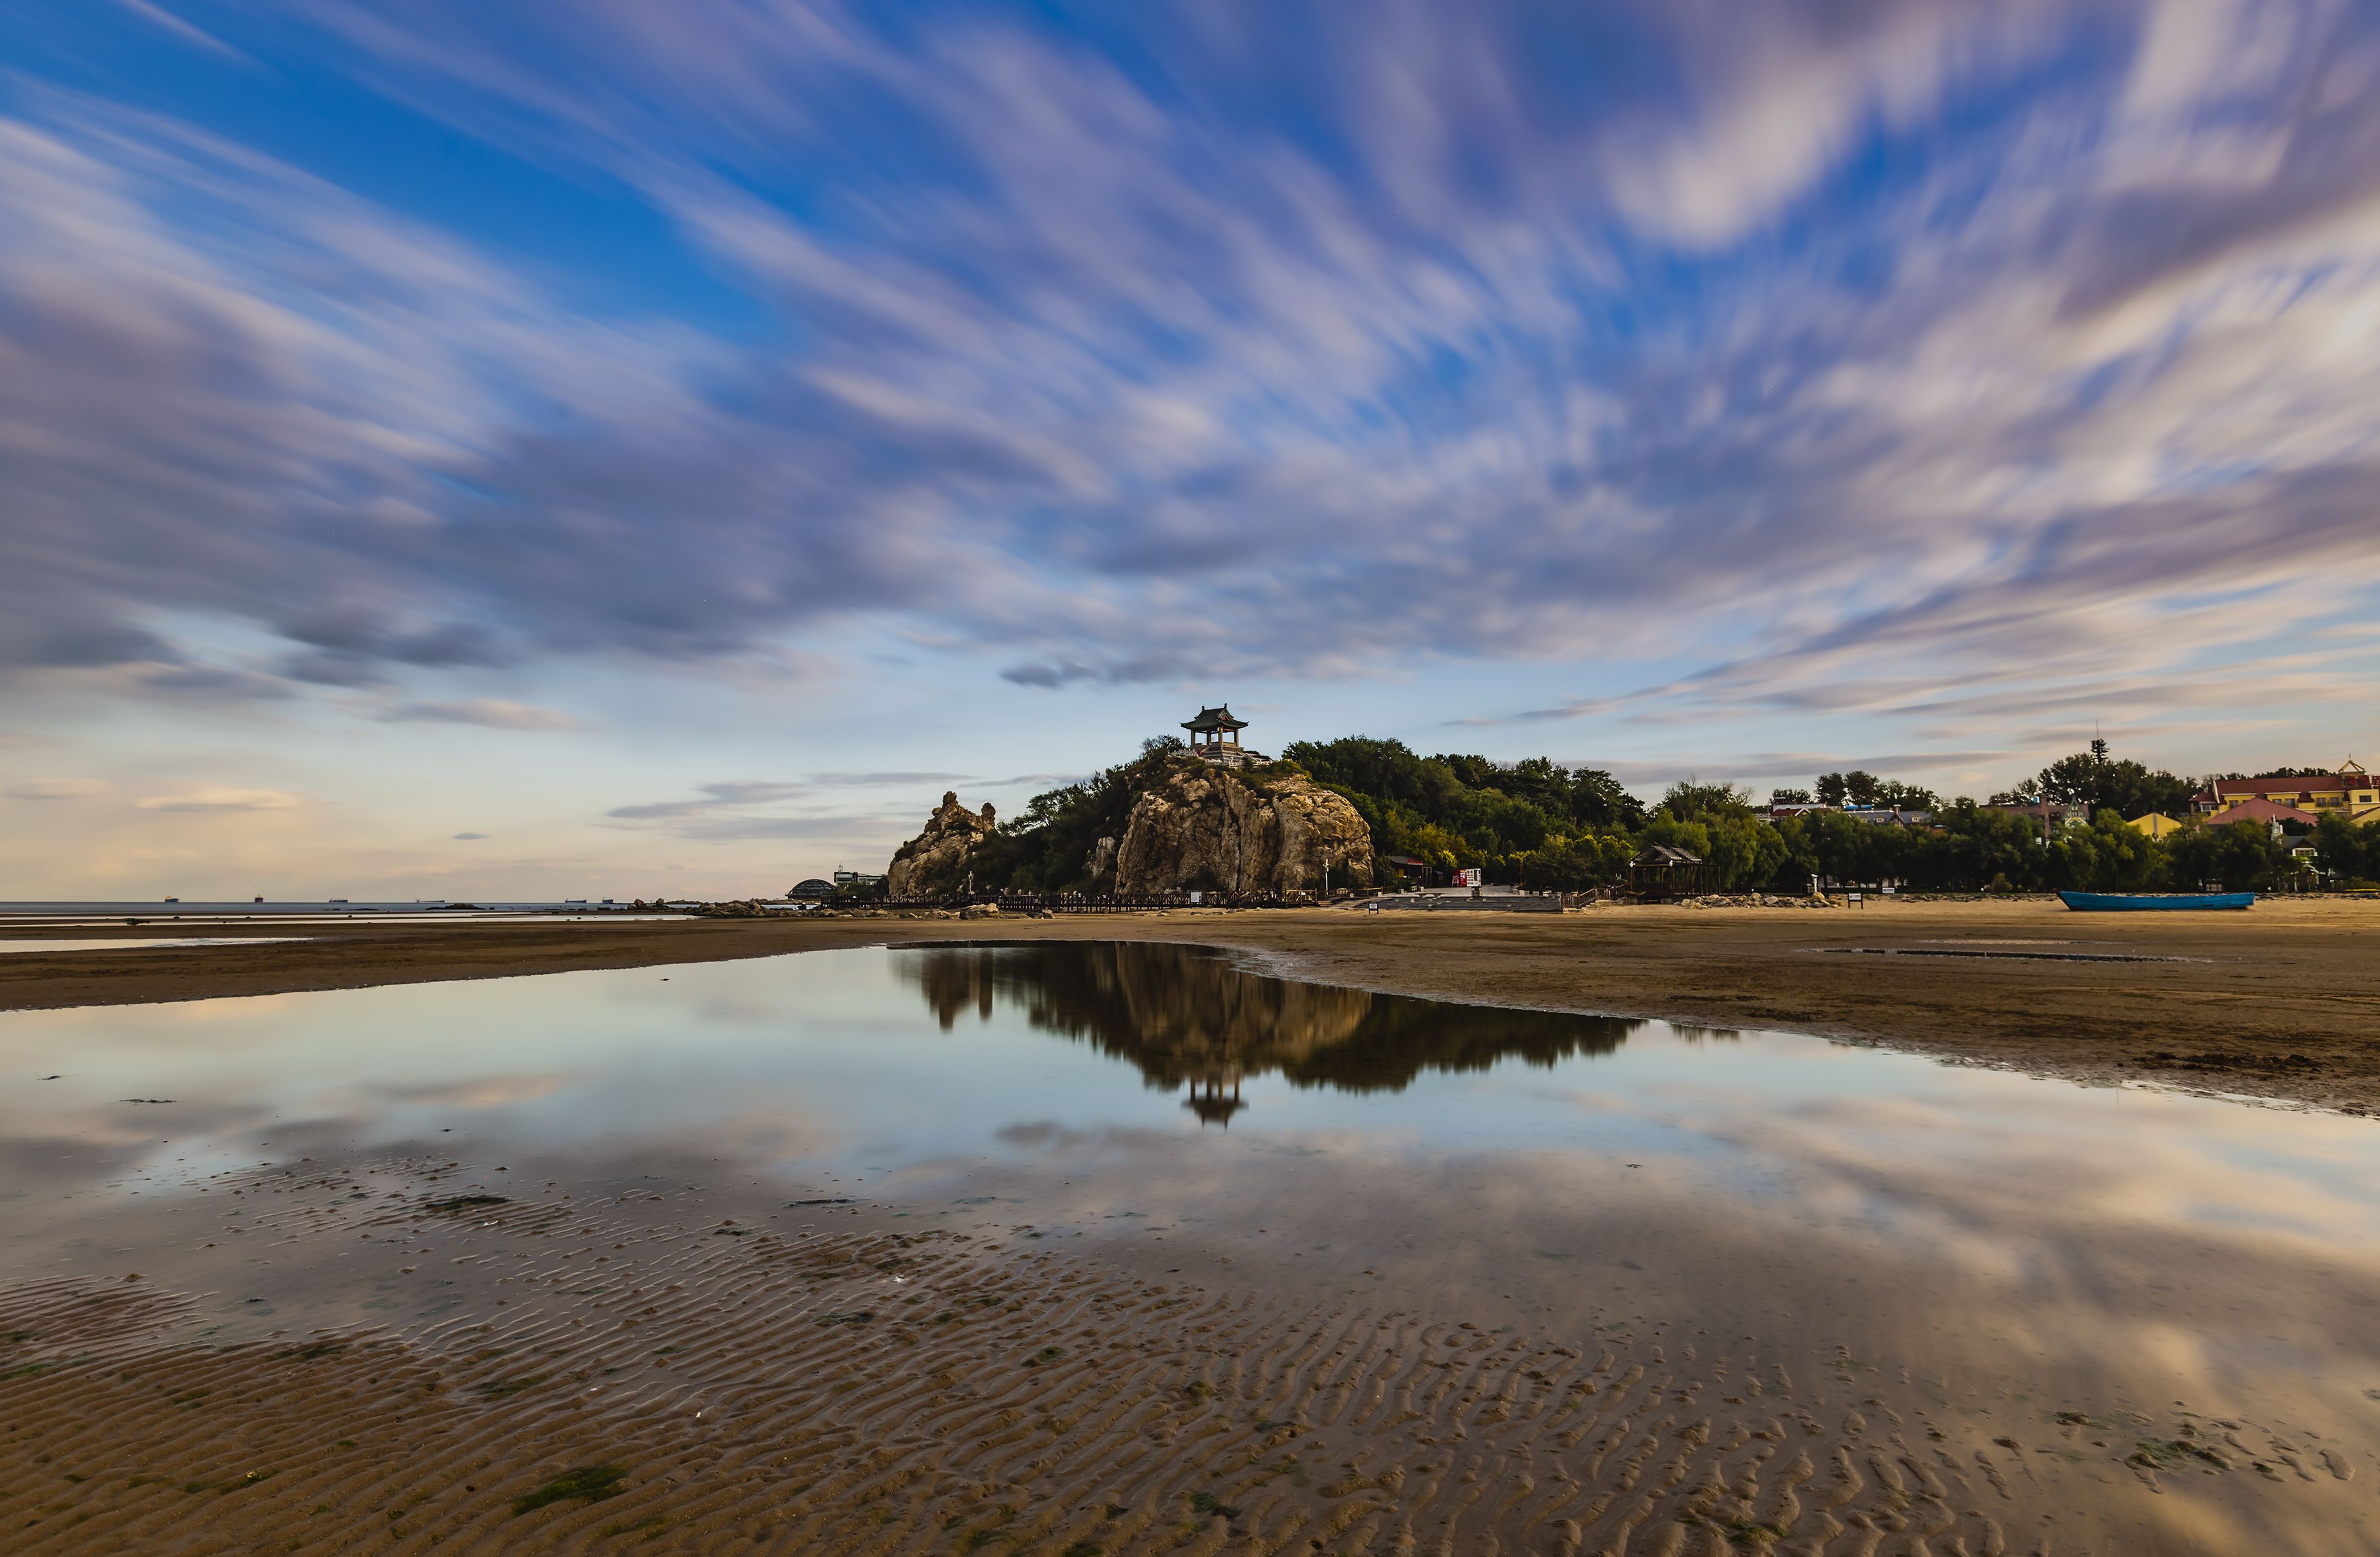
[1182,1014]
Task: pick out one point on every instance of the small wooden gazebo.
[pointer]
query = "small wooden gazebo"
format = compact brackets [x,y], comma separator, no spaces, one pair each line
[1219,730]
[1662,870]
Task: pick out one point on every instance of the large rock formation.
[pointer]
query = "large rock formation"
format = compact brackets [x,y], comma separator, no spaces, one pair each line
[1200,827]
[936,860]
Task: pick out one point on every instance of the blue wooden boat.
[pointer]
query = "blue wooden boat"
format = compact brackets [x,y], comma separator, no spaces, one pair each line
[2126,902]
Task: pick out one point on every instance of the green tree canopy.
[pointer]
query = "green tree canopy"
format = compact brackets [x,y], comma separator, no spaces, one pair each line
[1859,787]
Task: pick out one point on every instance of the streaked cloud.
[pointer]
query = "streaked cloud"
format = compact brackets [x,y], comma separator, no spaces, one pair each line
[1929,373]
[732,810]
[862,830]
[488,713]
[55,789]
[886,780]
[213,798]
[715,797]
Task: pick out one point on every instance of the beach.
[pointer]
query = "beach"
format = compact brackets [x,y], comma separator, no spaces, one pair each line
[662,1376]
[456,1256]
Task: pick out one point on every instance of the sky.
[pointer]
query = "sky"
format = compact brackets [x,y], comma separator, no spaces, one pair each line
[604,449]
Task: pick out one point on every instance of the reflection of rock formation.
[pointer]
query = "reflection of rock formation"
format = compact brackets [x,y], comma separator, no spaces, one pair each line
[1184,1015]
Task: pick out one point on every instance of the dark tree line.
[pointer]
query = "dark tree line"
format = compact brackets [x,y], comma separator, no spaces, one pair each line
[1543,826]
[2090,781]
[1048,847]
[1455,810]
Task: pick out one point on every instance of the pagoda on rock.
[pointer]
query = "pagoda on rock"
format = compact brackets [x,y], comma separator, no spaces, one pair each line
[1215,736]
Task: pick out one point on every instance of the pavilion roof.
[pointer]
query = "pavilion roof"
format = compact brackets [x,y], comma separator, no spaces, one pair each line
[1214,719]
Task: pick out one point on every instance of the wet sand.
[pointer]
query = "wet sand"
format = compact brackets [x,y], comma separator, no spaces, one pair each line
[2282,1001]
[636,1370]
[587,1369]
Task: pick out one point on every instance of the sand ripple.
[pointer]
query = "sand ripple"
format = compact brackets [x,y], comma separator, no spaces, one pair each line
[724,1389]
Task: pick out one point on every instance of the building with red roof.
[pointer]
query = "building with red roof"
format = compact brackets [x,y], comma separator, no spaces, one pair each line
[2258,808]
[2348,792]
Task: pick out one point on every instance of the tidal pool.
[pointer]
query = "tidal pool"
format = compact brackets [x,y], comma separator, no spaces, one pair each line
[2157,1266]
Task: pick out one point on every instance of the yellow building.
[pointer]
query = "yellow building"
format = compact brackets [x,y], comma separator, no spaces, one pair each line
[2155,825]
[2350,791]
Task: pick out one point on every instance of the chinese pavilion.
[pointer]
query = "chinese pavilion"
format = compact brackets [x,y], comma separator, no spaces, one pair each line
[1215,734]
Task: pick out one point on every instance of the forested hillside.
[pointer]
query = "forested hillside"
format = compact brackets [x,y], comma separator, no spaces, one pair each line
[1543,826]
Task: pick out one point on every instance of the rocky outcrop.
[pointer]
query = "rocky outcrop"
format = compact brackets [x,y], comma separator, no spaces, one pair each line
[936,860]
[1200,827]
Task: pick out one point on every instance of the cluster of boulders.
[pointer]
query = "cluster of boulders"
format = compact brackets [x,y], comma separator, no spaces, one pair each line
[936,860]
[1194,826]
[1756,900]
[1238,831]
[750,908]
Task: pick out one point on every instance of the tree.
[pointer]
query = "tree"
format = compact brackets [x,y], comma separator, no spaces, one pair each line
[1476,772]
[1538,780]
[1577,864]
[1690,801]
[1048,847]
[2239,857]
[1843,849]
[1972,847]
[1789,798]
[2088,781]
[1494,814]
[1859,787]
[2346,852]
[1714,822]
[2108,855]
[1597,799]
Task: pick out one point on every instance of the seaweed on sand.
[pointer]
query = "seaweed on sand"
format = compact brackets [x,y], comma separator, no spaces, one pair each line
[587,1483]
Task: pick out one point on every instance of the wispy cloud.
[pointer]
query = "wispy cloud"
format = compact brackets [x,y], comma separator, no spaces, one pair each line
[1787,767]
[159,16]
[733,810]
[488,713]
[55,789]
[861,830]
[715,797]
[213,798]
[885,780]
[1838,361]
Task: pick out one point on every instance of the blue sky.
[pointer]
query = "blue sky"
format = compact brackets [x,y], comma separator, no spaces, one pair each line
[674,443]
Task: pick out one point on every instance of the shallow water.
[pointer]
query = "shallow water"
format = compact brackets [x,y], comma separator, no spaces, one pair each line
[1998,1242]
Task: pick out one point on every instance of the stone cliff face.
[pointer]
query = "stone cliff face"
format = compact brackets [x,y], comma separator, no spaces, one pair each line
[936,860]
[1204,828]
